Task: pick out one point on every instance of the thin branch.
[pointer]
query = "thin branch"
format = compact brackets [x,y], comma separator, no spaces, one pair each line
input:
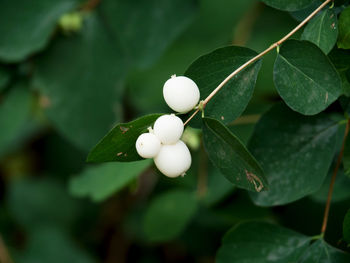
[4,254]
[256,58]
[90,5]
[245,25]
[331,186]
[190,118]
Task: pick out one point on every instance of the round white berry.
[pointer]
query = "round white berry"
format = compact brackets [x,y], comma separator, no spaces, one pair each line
[173,160]
[181,93]
[148,145]
[168,128]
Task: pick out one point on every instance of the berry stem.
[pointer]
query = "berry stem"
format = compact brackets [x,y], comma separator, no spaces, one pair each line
[191,117]
[256,58]
[331,186]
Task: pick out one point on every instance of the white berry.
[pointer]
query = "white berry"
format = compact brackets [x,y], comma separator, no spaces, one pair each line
[168,128]
[173,160]
[148,145]
[181,93]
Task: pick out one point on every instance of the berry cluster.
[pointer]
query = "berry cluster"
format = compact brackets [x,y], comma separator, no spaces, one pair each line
[171,155]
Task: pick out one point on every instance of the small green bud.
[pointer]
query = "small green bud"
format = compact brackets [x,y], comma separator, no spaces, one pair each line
[71,22]
[192,138]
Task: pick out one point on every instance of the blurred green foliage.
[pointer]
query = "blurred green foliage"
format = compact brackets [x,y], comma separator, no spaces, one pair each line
[70,70]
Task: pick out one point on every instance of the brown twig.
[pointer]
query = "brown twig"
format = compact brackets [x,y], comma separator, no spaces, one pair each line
[90,5]
[256,58]
[4,254]
[190,118]
[331,186]
[245,26]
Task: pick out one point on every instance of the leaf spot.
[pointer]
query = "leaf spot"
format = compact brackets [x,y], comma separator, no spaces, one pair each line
[222,117]
[326,97]
[120,153]
[44,102]
[124,129]
[253,178]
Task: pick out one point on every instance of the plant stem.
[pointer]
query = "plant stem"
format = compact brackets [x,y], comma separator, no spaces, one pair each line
[263,53]
[190,118]
[4,254]
[90,5]
[245,25]
[331,186]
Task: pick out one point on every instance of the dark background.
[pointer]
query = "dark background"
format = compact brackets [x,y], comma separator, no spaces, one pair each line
[70,70]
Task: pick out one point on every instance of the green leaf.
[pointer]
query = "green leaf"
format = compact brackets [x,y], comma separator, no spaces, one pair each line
[340,191]
[295,152]
[242,131]
[322,30]
[168,215]
[301,14]
[263,243]
[102,181]
[288,5]
[82,78]
[51,244]
[145,86]
[119,143]
[218,187]
[210,70]
[154,23]
[344,29]
[346,157]
[232,158]
[236,209]
[17,104]
[320,251]
[34,202]
[26,27]
[4,77]
[346,227]
[305,78]
[345,104]
[341,60]
[260,243]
